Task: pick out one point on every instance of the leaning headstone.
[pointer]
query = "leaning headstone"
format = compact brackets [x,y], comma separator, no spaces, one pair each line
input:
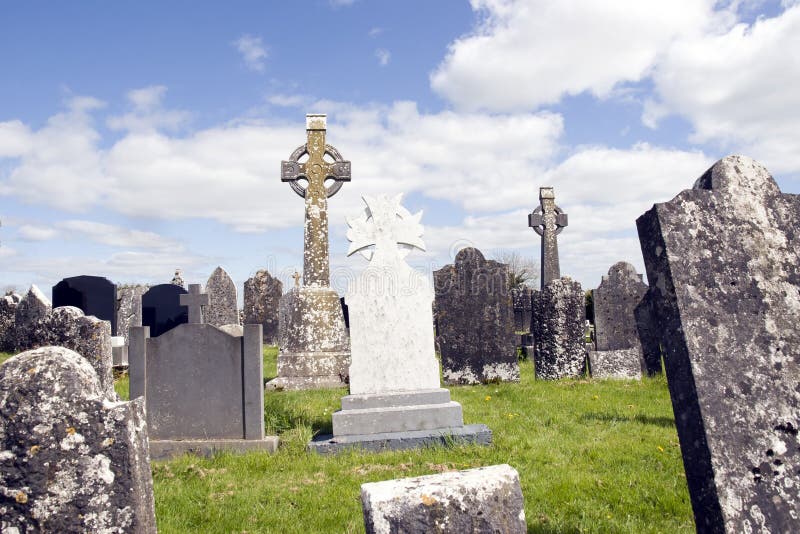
[222,307]
[70,460]
[724,261]
[129,307]
[395,400]
[219,404]
[618,351]
[475,321]
[162,310]
[94,295]
[8,309]
[262,294]
[31,311]
[486,499]
[558,330]
[521,297]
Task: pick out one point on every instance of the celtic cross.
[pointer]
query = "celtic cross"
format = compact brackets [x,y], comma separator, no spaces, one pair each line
[548,220]
[316,170]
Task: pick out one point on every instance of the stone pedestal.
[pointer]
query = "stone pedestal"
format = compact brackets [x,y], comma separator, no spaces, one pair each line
[314,347]
[558,324]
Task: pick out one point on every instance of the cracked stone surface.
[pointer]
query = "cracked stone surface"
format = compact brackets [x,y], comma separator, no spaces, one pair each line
[262,295]
[723,259]
[129,307]
[487,499]
[222,307]
[70,459]
[475,321]
[558,330]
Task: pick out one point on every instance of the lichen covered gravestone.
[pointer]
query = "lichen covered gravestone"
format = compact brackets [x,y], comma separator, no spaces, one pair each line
[487,499]
[129,307]
[262,294]
[70,460]
[475,320]
[723,259]
[222,307]
[8,308]
[28,317]
[521,297]
[558,330]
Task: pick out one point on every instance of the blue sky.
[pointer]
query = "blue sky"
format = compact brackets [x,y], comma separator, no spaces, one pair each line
[137,137]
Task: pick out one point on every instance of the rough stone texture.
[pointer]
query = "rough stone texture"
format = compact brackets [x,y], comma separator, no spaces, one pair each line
[30,312]
[548,220]
[649,328]
[177,279]
[8,309]
[262,295]
[70,460]
[200,384]
[724,259]
[475,321]
[620,363]
[129,307]
[521,297]
[94,295]
[558,324]
[222,308]
[162,310]
[487,499]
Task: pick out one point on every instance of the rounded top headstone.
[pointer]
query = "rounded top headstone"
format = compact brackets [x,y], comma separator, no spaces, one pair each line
[740,176]
[49,372]
[470,254]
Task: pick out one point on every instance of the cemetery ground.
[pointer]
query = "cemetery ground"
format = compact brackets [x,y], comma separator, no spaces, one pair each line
[593,456]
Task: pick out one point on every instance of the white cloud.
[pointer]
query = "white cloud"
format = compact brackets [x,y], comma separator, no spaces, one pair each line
[148,112]
[524,53]
[341,3]
[374,32]
[383,56]
[289,101]
[253,52]
[6,252]
[15,139]
[28,232]
[117,236]
[739,89]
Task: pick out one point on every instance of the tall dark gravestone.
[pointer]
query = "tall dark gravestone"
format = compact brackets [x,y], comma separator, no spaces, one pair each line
[94,295]
[162,310]
[723,260]
[475,320]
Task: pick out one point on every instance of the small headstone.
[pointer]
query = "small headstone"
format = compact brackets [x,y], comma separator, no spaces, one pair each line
[162,310]
[8,309]
[262,294]
[558,324]
[487,499]
[475,321]
[129,307]
[70,460]
[177,279]
[723,259]
[521,298]
[222,307]
[94,295]
[31,311]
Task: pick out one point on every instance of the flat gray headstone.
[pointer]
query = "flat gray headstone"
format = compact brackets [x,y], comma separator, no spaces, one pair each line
[723,259]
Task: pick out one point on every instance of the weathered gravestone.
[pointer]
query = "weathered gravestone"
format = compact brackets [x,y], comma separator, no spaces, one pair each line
[94,295]
[8,309]
[558,330]
[315,352]
[162,310]
[129,307]
[222,308]
[649,329]
[475,320]
[70,460]
[262,295]
[618,352]
[202,387]
[487,499]
[28,317]
[521,297]
[395,399]
[548,220]
[724,261]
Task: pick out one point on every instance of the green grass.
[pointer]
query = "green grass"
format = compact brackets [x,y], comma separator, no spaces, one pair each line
[593,456]
[4,356]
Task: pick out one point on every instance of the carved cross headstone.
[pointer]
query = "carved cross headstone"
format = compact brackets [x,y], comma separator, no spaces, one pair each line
[316,170]
[548,221]
[195,300]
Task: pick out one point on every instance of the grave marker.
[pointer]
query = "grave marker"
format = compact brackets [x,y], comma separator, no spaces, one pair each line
[94,295]
[162,310]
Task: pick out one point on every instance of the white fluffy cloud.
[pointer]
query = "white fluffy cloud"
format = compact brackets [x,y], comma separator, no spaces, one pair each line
[253,51]
[148,112]
[383,56]
[527,53]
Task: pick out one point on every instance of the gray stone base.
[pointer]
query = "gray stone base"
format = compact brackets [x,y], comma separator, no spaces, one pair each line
[311,370]
[166,449]
[293,383]
[395,441]
[623,364]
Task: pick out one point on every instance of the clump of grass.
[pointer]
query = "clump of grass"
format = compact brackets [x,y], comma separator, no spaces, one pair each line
[4,356]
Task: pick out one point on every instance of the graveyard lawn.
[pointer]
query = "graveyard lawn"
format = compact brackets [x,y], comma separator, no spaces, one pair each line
[593,456]
[4,356]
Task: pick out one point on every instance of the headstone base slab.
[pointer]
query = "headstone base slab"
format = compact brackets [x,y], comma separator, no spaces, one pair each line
[478,434]
[491,372]
[622,364]
[295,383]
[317,363]
[397,419]
[166,449]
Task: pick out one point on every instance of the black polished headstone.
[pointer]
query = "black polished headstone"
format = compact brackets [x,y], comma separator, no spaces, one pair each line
[94,295]
[162,310]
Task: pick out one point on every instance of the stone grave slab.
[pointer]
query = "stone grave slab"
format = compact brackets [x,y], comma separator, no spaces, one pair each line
[222,307]
[558,330]
[521,298]
[162,310]
[129,307]
[8,309]
[723,259]
[94,295]
[475,321]
[71,460]
[262,294]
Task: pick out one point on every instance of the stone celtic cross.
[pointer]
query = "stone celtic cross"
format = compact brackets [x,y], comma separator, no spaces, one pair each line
[195,300]
[316,170]
[548,221]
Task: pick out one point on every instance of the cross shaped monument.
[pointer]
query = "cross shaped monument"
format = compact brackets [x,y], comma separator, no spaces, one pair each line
[316,171]
[195,300]
[548,220]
